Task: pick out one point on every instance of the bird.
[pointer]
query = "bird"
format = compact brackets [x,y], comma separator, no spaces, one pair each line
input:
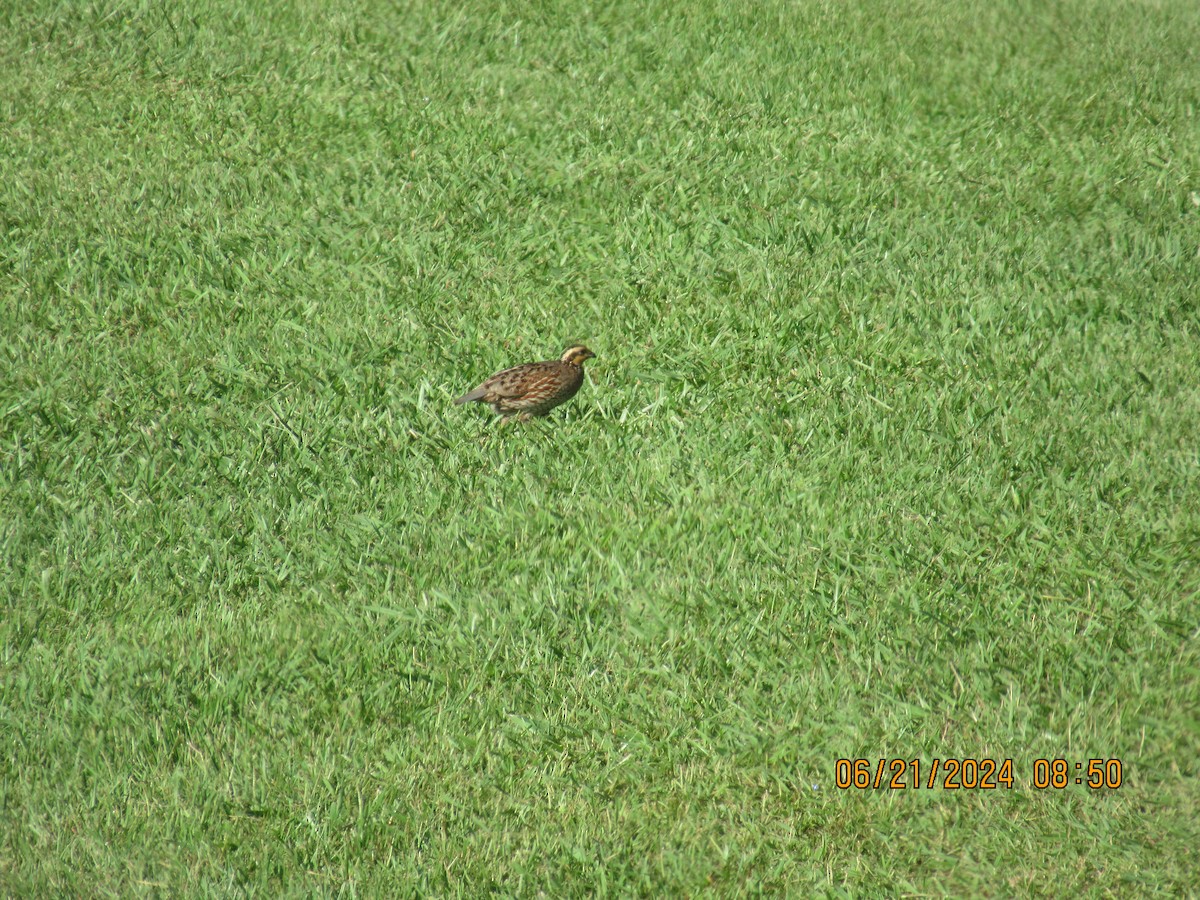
[532,389]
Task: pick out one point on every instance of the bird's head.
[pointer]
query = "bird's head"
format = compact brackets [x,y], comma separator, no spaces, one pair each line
[577,354]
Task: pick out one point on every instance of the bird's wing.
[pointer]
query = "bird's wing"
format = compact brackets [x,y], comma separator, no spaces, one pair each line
[511,382]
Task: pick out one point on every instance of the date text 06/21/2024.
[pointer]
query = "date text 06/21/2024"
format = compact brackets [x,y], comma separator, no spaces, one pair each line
[975,774]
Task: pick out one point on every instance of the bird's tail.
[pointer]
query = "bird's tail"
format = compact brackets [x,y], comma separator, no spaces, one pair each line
[476,394]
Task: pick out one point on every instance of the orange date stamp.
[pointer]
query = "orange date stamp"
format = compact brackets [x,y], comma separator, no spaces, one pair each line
[972,774]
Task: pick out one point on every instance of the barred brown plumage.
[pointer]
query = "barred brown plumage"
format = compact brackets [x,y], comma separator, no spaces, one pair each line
[533,389]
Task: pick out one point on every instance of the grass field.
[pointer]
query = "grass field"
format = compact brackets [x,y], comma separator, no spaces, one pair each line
[891,449]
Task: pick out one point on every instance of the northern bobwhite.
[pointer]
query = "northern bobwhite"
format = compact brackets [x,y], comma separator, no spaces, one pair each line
[534,388]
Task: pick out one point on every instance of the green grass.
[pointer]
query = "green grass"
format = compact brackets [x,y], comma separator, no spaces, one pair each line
[891,449]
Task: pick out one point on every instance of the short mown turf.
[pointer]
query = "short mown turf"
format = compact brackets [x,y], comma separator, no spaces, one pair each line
[890,452]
